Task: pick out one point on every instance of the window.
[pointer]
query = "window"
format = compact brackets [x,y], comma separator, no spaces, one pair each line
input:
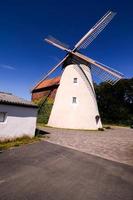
[2,116]
[75,80]
[74,100]
[97,118]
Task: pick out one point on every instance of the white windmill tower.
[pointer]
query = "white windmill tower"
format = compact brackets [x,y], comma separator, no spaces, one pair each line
[75,103]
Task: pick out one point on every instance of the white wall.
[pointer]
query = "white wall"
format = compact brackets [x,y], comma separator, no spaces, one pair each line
[82,115]
[20,121]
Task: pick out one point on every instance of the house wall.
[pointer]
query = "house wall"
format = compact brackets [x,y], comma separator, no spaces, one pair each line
[20,121]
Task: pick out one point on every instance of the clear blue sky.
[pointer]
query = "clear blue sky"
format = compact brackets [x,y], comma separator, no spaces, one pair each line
[25,57]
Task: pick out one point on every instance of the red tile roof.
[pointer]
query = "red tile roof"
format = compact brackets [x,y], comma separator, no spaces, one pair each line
[47,83]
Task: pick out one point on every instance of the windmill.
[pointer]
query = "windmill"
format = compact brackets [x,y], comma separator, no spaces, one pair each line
[75,104]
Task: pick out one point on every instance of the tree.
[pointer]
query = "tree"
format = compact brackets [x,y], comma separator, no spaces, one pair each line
[116,102]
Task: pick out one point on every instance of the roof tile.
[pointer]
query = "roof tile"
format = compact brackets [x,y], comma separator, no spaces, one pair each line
[8,98]
[48,83]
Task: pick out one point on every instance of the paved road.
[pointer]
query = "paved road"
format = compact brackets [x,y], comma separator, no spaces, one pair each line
[114,144]
[45,171]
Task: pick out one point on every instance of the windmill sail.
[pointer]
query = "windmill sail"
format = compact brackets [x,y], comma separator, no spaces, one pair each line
[95,30]
[51,71]
[106,73]
[57,43]
[102,71]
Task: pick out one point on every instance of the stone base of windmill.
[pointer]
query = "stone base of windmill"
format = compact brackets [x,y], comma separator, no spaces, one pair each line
[75,105]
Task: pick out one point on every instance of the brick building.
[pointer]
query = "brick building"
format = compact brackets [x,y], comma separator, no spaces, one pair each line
[45,89]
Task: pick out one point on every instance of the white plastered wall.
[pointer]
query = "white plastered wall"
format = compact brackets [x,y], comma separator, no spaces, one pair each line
[20,121]
[81,115]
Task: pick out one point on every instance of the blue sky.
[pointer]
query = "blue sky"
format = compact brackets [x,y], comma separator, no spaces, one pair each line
[25,57]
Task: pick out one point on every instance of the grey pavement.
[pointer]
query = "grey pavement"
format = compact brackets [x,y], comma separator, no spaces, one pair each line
[114,144]
[45,171]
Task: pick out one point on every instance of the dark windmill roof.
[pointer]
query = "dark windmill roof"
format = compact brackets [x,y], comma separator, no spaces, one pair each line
[10,99]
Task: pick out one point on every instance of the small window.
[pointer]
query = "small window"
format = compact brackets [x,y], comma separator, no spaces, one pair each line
[2,116]
[75,80]
[74,100]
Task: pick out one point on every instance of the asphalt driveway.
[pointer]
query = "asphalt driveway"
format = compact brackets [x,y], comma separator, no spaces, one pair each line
[45,171]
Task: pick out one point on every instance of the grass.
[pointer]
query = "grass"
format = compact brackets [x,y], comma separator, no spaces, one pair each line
[41,125]
[116,124]
[17,142]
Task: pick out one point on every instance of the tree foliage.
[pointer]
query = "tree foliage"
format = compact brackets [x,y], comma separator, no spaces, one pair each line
[116,102]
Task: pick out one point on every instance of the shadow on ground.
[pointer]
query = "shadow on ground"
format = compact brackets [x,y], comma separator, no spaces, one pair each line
[40,132]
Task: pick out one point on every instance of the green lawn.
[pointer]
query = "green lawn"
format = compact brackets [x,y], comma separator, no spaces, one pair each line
[17,142]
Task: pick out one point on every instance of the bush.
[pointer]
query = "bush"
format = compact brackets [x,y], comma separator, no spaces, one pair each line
[101,129]
[44,113]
